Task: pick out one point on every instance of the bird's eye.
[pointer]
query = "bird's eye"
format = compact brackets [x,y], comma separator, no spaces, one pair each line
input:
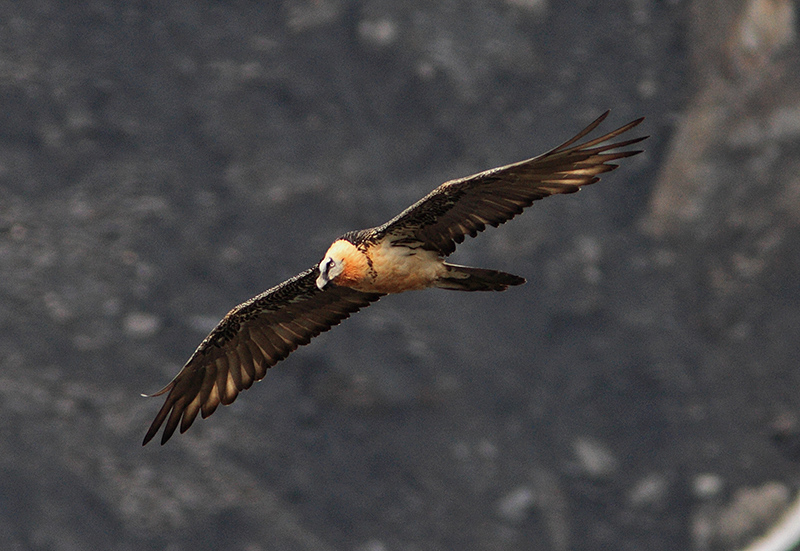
[325,267]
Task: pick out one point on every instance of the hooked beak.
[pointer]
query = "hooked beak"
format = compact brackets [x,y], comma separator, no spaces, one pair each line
[322,280]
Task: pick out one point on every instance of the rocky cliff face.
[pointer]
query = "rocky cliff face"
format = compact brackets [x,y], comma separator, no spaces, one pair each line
[161,162]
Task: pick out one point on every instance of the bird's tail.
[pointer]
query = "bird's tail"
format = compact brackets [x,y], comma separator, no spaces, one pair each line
[464,278]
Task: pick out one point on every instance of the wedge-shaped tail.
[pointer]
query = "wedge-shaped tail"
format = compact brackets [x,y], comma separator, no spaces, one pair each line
[464,278]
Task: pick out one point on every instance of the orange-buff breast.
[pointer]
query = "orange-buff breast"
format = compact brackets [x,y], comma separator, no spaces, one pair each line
[393,269]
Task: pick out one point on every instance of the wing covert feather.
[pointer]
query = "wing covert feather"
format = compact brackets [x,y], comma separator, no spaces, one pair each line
[466,206]
[251,338]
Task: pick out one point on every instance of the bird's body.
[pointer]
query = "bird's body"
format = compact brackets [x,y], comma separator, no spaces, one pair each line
[384,267]
[405,254]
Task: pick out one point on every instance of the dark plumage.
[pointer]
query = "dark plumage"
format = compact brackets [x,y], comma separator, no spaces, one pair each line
[406,253]
[441,219]
[252,337]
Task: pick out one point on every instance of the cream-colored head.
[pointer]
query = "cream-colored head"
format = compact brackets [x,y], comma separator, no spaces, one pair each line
[343,264]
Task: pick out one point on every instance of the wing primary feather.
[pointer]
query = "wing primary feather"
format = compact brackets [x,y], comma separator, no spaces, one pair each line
[195,405]
[246,361]
[285,328]
[312,327]
[279,346]
[261,360]
[594,124]
[172,421]
[234,369]
[604,138]
[230,391]
[190,414]
[158,421]
[212,402]
[180,390]
[616,145]
[222,377]
[162,391]
[263,346]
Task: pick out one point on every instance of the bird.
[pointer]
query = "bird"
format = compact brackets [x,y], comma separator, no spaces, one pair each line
[406,253]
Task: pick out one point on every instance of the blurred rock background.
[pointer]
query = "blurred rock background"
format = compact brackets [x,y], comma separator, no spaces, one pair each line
[161,162]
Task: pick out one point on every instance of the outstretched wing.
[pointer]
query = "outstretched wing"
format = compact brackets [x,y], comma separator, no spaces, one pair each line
[465,206]
[251,338]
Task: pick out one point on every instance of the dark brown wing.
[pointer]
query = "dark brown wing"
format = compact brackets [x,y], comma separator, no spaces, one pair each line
[251,338]
[465,206]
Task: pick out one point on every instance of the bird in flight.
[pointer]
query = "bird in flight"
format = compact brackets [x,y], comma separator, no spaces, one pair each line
[404,254]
